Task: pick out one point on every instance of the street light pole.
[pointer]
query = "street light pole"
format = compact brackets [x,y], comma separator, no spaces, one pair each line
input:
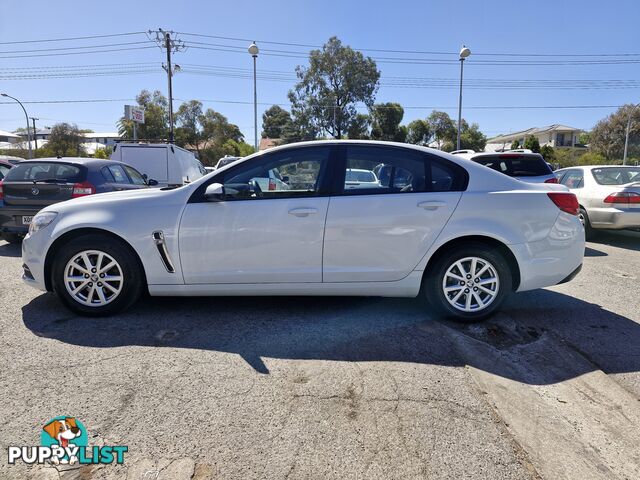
[253,51]
[25,116]
[464,53]
[626,136]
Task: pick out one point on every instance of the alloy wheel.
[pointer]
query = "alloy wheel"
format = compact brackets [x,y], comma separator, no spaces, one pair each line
[471,284]
[93,278]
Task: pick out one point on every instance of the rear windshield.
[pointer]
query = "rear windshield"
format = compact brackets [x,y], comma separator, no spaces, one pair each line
[41,171]
[616,176]
[516,165]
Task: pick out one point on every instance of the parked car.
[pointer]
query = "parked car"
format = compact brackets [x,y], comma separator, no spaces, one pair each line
[169,165]
[33,184]
[609,196]
[359,178]
[460,235]
[5,166]
[226,160]
[521,164]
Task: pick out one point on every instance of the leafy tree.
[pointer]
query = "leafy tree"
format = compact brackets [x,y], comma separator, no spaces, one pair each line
[325,98]
[547,152]
[419,132]
[65,141]
[515,145]
[472,138]
[532,143]
[359,128]
[274,121]
[608,136]
[584,138]
[156,117]
[385,125]
[103,153]
[442,128]
[189,130]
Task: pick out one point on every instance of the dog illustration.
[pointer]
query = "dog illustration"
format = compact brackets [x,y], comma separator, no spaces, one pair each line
[63,431]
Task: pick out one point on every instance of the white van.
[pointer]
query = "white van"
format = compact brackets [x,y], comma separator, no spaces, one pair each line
[169,165]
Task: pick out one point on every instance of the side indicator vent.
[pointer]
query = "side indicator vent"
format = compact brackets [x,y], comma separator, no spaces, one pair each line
[158,239]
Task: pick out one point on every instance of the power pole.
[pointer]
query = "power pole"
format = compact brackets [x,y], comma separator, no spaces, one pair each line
[35,138]
[167,40]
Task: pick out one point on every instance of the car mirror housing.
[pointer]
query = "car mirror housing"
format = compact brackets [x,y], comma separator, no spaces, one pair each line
[152,183]
[214,192]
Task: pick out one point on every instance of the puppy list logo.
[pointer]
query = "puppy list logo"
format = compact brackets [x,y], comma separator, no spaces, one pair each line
[64,440]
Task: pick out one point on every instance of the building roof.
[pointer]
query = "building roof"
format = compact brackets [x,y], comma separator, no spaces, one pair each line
[509,137]
[266,143]
[101,134]
[8,134]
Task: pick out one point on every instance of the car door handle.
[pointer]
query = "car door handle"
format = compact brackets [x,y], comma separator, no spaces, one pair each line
[303,212]
[431,204]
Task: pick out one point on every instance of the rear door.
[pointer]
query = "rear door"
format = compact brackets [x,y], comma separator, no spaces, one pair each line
[37,184]
[381,233]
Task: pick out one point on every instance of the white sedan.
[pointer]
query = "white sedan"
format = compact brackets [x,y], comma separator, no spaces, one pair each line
[460,235]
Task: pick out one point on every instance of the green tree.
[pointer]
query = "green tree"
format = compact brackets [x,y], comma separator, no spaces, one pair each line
[156,117]
[274,121]
[442,128]
[419,132]
[547,152]
[189,130]
[325,98]
[584,138]
[103,153]
[385,125]
[515,145]
[532,143]
[65,140]
[472,138]
[608,136]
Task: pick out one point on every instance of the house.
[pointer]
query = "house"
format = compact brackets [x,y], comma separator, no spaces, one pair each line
[556,136]
[105,138]
[7,137]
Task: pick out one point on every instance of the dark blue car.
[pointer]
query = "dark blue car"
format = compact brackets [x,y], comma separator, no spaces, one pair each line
[33,184]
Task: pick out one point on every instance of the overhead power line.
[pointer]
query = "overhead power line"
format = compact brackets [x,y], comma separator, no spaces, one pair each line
[77,53]
[66,39]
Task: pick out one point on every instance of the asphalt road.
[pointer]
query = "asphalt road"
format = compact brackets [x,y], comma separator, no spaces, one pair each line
[336,387]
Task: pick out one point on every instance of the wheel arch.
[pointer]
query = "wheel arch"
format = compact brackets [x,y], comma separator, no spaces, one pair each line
[80,232]
[490,242]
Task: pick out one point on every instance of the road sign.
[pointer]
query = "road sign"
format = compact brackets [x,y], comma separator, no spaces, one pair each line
[134,113]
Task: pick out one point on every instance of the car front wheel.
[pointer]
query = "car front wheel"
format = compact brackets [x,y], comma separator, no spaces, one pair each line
[468,283]
[97,275]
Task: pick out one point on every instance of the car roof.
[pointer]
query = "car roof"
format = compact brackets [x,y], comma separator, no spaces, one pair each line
[86,161]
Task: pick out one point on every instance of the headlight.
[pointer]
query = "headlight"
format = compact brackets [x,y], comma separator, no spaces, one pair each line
[40,221]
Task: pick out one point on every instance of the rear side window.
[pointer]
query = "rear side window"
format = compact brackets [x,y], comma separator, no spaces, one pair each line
[573,179]
[3,171]
[108,176]
[118,174]
[515,165]
[40,171]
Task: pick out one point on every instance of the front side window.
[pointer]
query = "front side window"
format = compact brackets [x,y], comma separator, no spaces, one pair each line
[118,174]
[375,170]
[290,173]
[135,176]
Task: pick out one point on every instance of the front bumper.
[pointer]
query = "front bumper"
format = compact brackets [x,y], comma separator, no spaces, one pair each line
[614,218]
[34,249]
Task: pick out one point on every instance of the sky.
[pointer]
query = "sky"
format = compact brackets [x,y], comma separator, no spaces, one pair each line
[552,35]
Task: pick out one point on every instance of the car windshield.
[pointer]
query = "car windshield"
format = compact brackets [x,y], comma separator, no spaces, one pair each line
[616,175]
[44,171]
[515,165]
[360,176]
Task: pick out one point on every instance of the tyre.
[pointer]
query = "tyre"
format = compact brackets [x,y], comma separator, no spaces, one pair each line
[589,232]
[468,283]
[12,237]
[97,275]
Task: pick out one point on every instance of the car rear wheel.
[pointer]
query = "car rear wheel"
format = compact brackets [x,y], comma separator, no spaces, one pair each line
[589,231]
[97,275]
[468,283]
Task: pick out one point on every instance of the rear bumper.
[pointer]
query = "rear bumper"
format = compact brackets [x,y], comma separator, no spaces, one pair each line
[11,218]
[554,260]
[614,218]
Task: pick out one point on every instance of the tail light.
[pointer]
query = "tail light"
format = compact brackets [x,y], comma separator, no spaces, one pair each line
[551,180]
[82,189]
[567,202]
[623,197]
[1,191]
[272,184]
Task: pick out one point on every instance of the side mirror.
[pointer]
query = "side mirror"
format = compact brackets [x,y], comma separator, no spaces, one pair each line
[152,183]
[214,192]
[285,179]
[145,176]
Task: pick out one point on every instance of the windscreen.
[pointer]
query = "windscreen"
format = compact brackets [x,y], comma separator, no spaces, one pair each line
[515,165]
[44,171]
[616,175]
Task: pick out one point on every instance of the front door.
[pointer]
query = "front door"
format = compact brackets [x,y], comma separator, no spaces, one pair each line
[269,226]
[393,204]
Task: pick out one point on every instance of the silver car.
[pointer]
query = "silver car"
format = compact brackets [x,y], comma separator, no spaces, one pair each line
[609,196]
[522,164]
